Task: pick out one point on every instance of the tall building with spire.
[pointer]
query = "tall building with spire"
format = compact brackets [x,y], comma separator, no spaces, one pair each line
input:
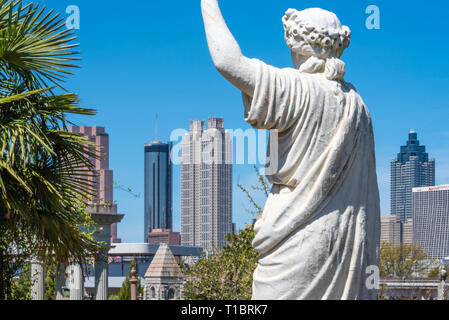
[206,185]
[158,188]
[411,169]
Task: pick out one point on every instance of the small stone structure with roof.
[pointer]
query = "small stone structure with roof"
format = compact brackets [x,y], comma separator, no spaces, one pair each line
[163,279]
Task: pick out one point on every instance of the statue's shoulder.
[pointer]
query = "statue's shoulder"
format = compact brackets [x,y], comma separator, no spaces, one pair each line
[299,74]
[273,69]
[350,86]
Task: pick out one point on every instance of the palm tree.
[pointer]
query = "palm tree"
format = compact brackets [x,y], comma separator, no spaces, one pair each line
[44,169]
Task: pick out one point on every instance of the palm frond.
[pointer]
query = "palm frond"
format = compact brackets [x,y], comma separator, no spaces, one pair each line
[35,44]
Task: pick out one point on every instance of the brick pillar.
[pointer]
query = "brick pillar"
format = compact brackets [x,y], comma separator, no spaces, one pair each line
[133,284]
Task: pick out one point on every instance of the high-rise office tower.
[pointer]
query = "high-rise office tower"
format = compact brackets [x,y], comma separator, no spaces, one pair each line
[407,231]
[412,168]
[431,220]
[391,229]
[206,185]
[164,236]
[158,188]
[103,182]
[394,231]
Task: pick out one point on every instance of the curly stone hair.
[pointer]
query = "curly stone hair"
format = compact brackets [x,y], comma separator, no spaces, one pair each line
[327,38]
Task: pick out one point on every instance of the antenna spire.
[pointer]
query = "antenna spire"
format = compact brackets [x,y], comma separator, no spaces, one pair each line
[155,138]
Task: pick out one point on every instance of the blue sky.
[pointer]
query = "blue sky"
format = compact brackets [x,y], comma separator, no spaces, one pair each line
[146,57]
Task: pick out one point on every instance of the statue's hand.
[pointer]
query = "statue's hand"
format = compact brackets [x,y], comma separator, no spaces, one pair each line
[225,51]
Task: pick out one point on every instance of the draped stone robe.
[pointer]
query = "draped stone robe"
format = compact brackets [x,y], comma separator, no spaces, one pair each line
[320,228]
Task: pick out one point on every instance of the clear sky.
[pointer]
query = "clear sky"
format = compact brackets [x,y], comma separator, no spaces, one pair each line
[140,58]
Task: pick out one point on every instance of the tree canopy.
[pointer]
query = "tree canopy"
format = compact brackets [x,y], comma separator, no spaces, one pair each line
[227,273]
[403,261]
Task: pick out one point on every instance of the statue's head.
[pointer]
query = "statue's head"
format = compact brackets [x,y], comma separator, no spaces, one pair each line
[317,40]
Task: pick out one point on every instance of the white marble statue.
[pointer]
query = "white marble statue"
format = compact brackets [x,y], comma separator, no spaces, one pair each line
[320,228]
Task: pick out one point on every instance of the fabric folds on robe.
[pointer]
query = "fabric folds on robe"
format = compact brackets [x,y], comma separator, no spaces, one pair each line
[320,229]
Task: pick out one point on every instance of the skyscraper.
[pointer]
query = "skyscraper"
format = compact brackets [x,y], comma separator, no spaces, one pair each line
[103,181]
[394,231]
[407,231]
[391,229]
[431,220]
[158,188]
[412,168]
[206,185]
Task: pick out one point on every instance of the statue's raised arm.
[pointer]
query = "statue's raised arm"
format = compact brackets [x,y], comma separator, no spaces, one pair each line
[225,51]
